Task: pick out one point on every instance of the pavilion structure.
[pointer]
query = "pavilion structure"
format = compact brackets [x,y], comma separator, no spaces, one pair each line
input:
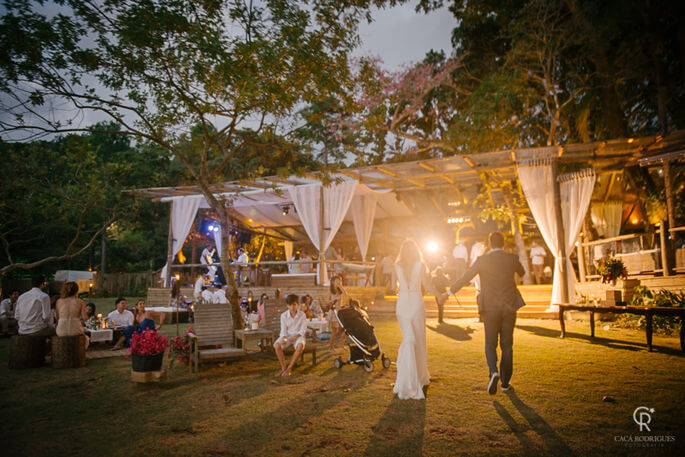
[423,195]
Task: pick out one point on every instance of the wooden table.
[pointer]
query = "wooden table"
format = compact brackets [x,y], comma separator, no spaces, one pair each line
[648,312]
[266,336]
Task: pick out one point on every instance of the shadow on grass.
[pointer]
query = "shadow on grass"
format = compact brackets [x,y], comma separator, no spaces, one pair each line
[454,332]
[625,345]
[400,430]
[552,441]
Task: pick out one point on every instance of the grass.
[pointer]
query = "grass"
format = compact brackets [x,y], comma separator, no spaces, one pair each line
[238,409]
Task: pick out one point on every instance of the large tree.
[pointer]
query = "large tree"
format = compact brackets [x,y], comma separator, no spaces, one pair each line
[159,68]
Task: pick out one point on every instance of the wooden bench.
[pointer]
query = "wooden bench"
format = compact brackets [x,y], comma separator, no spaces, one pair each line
[293,280]
[159,296]
[648,312]
[213,327]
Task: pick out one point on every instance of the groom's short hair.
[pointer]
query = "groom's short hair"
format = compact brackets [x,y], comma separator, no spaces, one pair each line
[496,240]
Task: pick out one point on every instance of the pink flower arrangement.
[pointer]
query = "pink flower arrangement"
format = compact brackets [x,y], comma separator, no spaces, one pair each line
[179,348]
[148,342]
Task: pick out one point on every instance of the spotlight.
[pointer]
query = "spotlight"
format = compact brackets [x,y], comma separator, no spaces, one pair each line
[210,228]
[431,246]
[285,209]
[216,228]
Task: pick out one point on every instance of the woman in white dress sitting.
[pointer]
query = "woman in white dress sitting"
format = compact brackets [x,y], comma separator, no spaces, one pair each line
[70,311]
[412,356]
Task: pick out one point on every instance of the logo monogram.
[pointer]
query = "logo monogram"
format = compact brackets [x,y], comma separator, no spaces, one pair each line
[643,416]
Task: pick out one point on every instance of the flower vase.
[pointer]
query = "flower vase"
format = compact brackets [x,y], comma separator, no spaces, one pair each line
[144,362]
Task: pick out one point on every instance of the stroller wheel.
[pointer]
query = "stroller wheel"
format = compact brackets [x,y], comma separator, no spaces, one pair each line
[386,361]
[368,366]
[338,363]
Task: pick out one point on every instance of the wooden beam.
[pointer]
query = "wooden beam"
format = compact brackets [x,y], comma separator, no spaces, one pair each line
[612,178]
[425,166]
[561,238]
[387,172]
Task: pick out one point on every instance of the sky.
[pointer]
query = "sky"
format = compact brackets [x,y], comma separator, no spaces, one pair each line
[401,35]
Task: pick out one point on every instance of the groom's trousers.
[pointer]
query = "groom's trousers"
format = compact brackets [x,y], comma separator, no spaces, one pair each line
[499,325]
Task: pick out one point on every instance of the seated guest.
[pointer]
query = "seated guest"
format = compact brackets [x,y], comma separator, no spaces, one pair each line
[90,310]
[260,309]
[70,310]
[176,299]
[33,310]
[305,301]
[52,321]
[315,307]
[293,328]
[120,317]
[207,295]
[197,290]
[143,321]
[7,307]
[219,296]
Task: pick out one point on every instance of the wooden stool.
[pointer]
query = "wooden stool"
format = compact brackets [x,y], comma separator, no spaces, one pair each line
[26,351]
[68,351]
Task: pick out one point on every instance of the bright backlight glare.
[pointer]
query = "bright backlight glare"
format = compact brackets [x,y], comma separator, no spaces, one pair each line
[432,246]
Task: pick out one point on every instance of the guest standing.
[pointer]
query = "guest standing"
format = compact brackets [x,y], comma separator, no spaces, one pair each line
[537,256]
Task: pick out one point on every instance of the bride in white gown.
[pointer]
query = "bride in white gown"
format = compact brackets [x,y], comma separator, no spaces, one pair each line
[412,357]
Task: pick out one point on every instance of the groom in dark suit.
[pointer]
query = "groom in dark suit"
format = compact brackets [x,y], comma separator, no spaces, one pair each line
[497,305]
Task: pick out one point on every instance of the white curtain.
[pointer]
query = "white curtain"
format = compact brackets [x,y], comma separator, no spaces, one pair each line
[336,202]
[576,190]
[363,208]
[606,217]
[288,247]
[183,212]
[217,241]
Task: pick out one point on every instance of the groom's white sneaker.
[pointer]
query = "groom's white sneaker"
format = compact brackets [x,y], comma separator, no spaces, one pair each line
[492,385]
[506,388]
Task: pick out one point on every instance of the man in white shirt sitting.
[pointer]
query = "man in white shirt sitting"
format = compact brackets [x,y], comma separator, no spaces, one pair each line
[197,290]
[207,295]
[120,317]
[7,307]
[219,296]
[293,330]
[33,310]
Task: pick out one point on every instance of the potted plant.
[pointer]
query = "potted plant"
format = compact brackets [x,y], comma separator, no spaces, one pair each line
[147,350]
[179,348]
[611,270]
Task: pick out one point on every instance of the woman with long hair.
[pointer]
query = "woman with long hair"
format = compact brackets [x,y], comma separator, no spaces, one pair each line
[412,356]
[70,311]
[337,298]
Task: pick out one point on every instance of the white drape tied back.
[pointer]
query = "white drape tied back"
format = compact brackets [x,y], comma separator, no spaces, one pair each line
[183,212]
[217,241]
[288,248]
[537,183]
[363,208]
[336,202]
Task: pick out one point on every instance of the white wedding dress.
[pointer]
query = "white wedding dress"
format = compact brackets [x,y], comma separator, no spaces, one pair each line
[412,357]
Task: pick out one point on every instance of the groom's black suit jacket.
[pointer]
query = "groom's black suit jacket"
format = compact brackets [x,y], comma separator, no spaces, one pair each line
[497,281]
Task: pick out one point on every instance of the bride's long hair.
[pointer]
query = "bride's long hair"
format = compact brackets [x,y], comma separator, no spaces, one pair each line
[408,256]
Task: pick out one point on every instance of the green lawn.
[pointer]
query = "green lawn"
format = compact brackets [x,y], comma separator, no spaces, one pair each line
[238,409]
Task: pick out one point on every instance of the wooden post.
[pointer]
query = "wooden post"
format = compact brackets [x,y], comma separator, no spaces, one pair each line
[322,233]
[668,185]
[581,259]
[170,249]
[663,237]
[560,232]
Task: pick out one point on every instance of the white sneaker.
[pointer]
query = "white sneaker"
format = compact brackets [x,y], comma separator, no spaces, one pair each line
[506,388]
[492,385]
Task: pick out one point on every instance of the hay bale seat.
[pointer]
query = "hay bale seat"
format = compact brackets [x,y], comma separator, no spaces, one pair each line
[26,351]
[272,315]
[68,351]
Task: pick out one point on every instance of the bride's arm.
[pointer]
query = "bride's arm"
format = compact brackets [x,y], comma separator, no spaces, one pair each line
[427,282]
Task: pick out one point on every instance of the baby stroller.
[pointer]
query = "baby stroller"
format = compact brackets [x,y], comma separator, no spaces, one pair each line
[364,346]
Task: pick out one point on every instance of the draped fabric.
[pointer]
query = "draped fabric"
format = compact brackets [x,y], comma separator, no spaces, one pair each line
[183,212]
[288,247]
[363,208]
[536,180]
[217,241]
[336,202]
[606,217]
